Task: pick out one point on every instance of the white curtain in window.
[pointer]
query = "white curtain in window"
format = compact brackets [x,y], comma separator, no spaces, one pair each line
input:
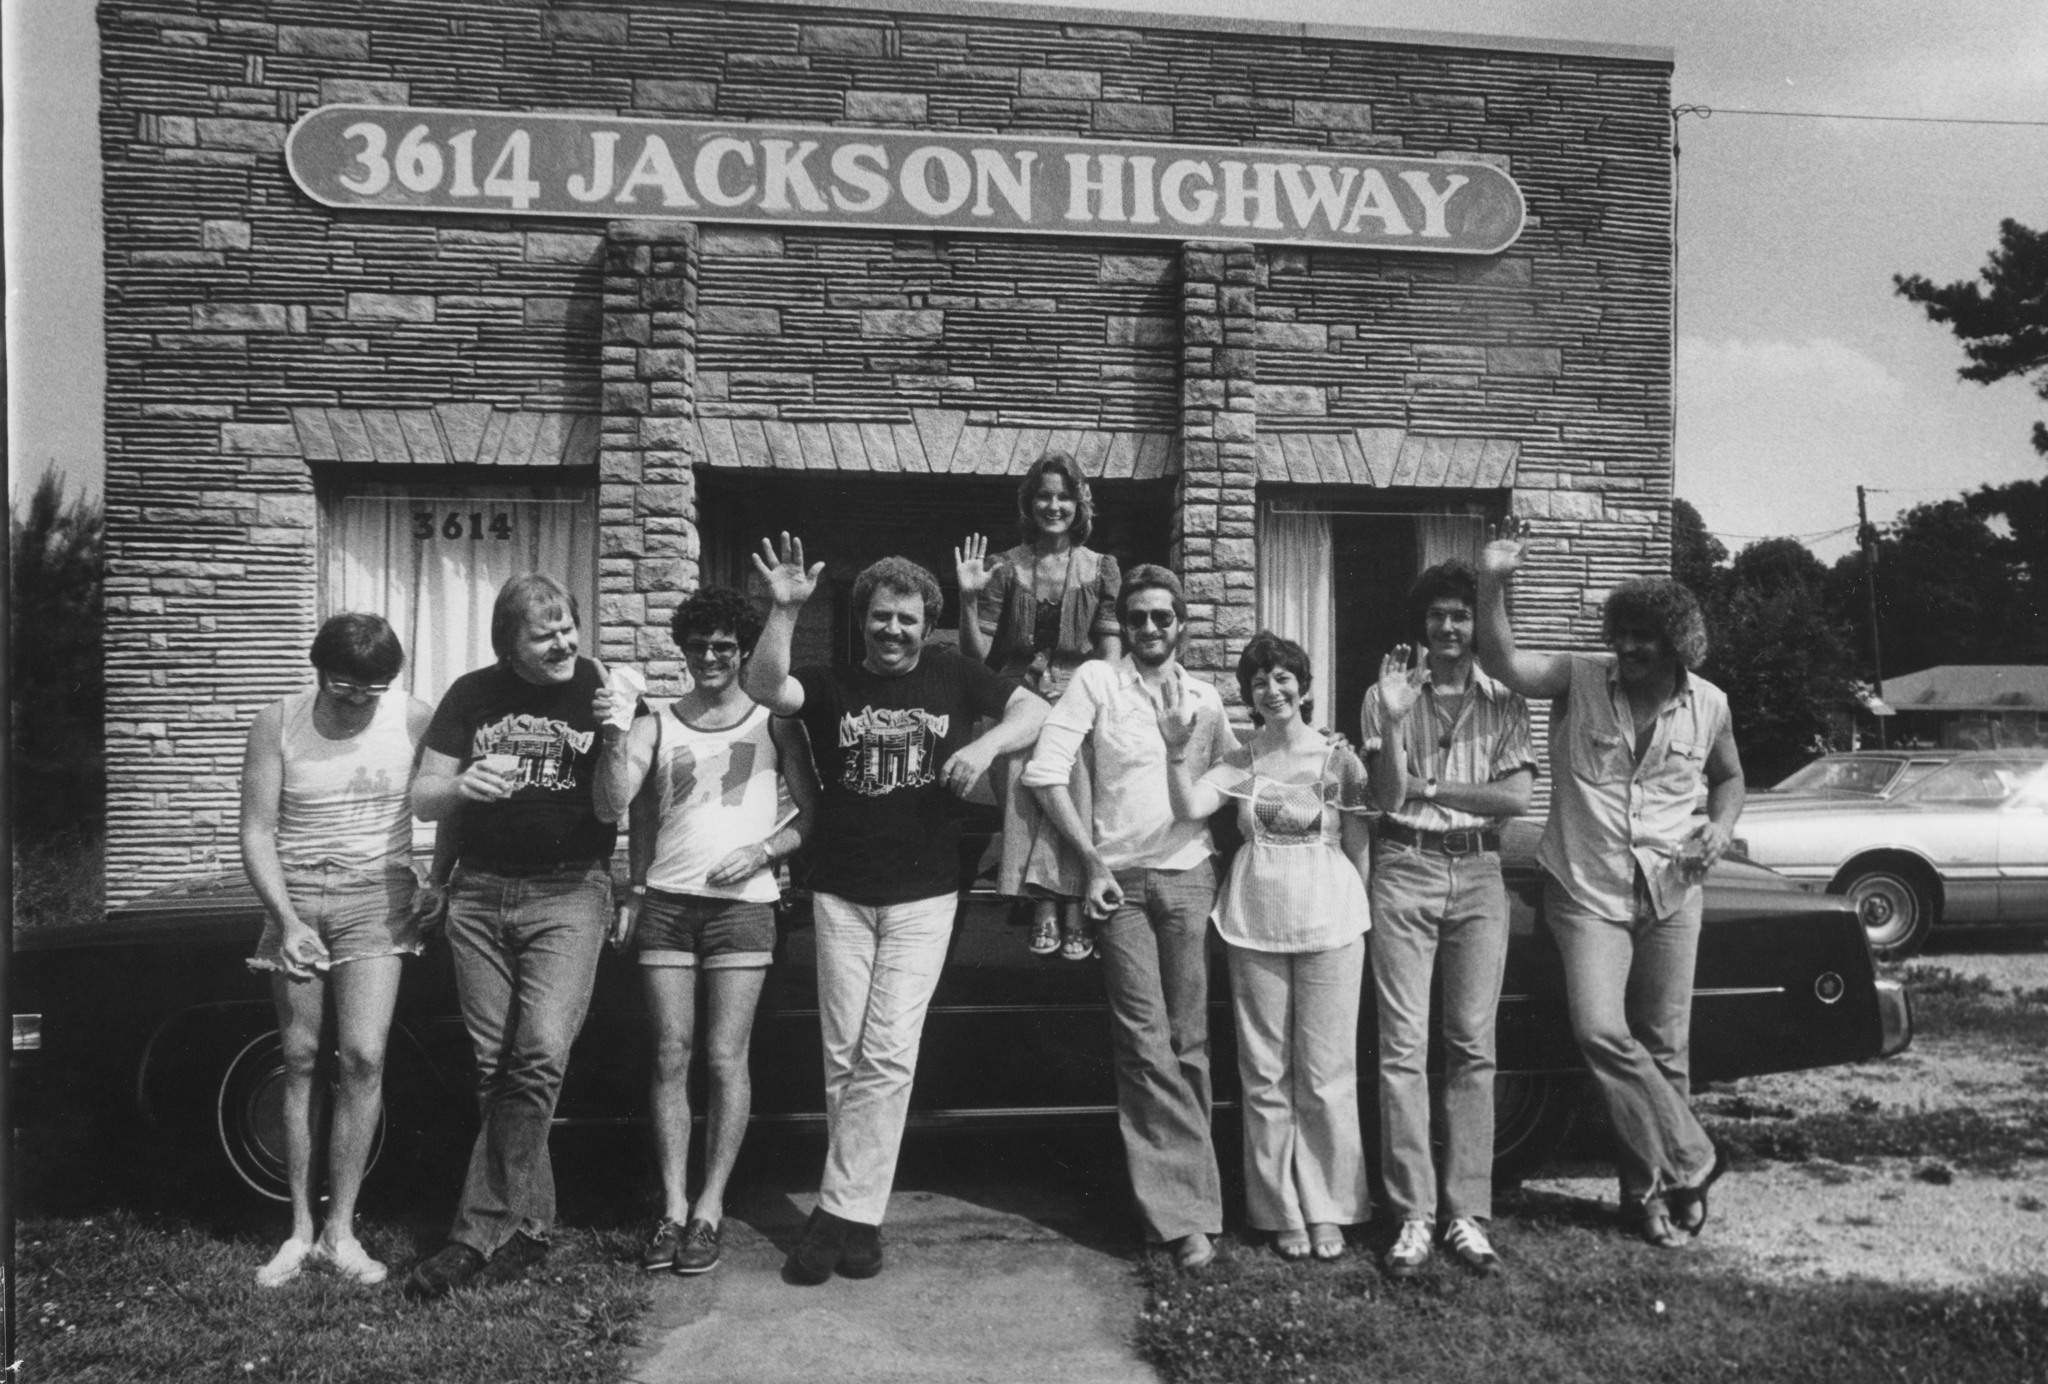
[1441,537]
[1297,586]
[432,565]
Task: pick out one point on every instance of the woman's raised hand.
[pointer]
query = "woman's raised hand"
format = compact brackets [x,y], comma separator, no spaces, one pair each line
[970,560]
[790,584]
[1503,556]
[1401,681]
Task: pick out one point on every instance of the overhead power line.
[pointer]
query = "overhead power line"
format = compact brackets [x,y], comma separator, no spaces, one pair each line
[1706,112]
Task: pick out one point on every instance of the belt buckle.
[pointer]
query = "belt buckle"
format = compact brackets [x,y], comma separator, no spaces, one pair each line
[1460,842]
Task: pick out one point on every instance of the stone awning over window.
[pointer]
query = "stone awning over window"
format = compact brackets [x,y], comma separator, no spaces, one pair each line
[447,435]
[1385,457]
[934,442]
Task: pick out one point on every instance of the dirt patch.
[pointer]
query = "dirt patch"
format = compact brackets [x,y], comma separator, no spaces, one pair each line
[1824,1193]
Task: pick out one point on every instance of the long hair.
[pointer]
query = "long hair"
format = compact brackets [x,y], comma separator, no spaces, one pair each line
[1064,466]
[1664,605]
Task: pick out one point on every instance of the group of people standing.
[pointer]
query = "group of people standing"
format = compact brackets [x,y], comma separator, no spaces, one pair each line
[1110,760]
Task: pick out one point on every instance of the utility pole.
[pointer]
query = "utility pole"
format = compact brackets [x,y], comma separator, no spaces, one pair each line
[1866,534]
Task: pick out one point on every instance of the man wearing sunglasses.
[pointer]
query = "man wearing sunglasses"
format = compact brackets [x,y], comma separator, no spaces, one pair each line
[705,782]
[1151,880]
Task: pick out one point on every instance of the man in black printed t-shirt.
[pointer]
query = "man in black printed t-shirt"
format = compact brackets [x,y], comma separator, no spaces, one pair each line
[891,740]
[508,763]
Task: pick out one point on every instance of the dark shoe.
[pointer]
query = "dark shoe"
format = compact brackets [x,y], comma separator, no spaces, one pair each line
[1688,1205]
[698,1250]
[818,1249]
[862,1256]
[1466,1240]
[662,1243]
[512,1260]
[454,1266]
[1651,1222]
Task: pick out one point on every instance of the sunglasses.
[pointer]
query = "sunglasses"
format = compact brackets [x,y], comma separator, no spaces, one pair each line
[1158,619]
[346,688]
[711,648]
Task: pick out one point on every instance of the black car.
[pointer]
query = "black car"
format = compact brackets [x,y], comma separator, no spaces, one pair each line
[150,1024]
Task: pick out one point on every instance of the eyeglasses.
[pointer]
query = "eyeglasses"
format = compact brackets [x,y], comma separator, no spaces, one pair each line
[1159,619]
[346,688]
[711,648]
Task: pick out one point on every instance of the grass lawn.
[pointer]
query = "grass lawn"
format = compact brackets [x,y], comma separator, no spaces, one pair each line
[123,1295]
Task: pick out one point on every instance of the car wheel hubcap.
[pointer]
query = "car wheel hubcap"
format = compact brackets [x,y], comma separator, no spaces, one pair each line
[1887,909]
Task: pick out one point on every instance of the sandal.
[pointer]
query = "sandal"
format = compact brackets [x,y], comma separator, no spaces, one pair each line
[1327,1241]
[1045,934]
[1689,1204]
[1078,946]
[1291,1245]
[1652,1223]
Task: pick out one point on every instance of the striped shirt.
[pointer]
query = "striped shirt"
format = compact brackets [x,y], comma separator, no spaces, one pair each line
[1489,733]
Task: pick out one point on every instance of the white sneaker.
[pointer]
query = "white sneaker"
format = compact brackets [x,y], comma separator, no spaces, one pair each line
[1410,1251]
[1468,1245]
[284,1266]
[352,1261]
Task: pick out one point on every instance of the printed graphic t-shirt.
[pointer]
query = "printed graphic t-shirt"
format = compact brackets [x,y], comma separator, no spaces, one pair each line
[888,831]
[548,819]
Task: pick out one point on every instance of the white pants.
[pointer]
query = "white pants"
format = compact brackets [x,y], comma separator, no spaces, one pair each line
[1297,1059]
[877,967]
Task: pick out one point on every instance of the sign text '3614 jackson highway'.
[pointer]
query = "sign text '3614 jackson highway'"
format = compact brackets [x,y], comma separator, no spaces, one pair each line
[541,164]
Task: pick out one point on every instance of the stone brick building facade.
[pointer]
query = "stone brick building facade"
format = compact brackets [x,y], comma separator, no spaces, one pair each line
[312,409]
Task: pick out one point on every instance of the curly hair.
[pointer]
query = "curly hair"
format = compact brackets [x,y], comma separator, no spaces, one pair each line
[534,596]
[1452,580]
[1266,652]
[1661,604]
[362,647]
[716,608]
[1064,466]
[901,575]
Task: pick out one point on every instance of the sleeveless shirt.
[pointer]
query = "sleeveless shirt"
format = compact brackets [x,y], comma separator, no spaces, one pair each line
[346,803]
[718,790]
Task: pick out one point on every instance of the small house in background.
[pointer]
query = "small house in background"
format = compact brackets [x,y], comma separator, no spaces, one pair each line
[1988,707]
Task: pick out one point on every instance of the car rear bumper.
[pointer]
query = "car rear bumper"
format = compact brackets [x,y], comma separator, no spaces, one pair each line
[1895,1017]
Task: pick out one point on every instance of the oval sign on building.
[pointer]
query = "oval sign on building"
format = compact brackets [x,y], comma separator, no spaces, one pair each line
[538,164]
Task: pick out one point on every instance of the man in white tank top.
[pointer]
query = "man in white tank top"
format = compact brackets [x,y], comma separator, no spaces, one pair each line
[719,791]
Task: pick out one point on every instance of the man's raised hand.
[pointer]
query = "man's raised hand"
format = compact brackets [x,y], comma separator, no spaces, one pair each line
[790,584]
[1401,682]
[1502,557]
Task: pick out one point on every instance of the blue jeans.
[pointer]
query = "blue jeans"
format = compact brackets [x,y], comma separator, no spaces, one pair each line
[1155,965]
[1440,916]
[525,949]
[1629,986]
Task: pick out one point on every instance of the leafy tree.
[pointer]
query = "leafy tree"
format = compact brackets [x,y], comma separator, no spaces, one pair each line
[2001,317]
[1781,655]
[1696,555]
[58,687]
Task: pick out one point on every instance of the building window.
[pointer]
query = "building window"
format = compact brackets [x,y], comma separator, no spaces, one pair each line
[430,557]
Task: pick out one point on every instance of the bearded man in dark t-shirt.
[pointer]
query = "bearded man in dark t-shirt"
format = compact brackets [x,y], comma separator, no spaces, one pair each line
[891,737]
[508,763]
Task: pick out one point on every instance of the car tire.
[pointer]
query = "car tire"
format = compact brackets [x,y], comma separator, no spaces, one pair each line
[1895,904]
[1532,1117]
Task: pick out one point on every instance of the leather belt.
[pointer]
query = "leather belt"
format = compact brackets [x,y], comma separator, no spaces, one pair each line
[522,869]
[1469,841]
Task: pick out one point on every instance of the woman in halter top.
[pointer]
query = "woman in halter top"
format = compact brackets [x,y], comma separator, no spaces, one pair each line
[1293,913]
[326,837]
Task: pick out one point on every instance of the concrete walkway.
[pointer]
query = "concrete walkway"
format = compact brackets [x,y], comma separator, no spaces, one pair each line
[970,1294]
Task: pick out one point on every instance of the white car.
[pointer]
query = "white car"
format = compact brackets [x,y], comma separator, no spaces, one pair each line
[1966,845]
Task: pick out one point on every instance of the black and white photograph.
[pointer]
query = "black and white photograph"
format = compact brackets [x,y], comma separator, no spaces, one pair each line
[760,691]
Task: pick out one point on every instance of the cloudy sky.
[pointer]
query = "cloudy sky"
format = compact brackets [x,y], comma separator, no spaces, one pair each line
[1800,374]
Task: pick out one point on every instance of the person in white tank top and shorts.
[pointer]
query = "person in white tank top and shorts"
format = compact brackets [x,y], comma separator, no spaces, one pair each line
[326,833]
[717,791]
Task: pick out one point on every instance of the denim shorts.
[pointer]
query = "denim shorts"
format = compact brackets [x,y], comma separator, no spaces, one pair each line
[359,916]
[693,930]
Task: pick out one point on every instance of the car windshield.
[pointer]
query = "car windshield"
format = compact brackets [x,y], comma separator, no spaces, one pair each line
[1976,782]
[1867,777]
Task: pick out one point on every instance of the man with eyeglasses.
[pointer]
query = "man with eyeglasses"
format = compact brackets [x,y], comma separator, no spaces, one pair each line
[1151,879]
[705,782]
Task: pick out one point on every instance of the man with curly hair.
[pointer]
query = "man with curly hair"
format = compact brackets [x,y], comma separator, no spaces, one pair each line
[703,782]
[1633,735]
[893,736]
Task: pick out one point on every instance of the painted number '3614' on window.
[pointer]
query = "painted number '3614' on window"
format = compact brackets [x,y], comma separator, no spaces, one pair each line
[475,525]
